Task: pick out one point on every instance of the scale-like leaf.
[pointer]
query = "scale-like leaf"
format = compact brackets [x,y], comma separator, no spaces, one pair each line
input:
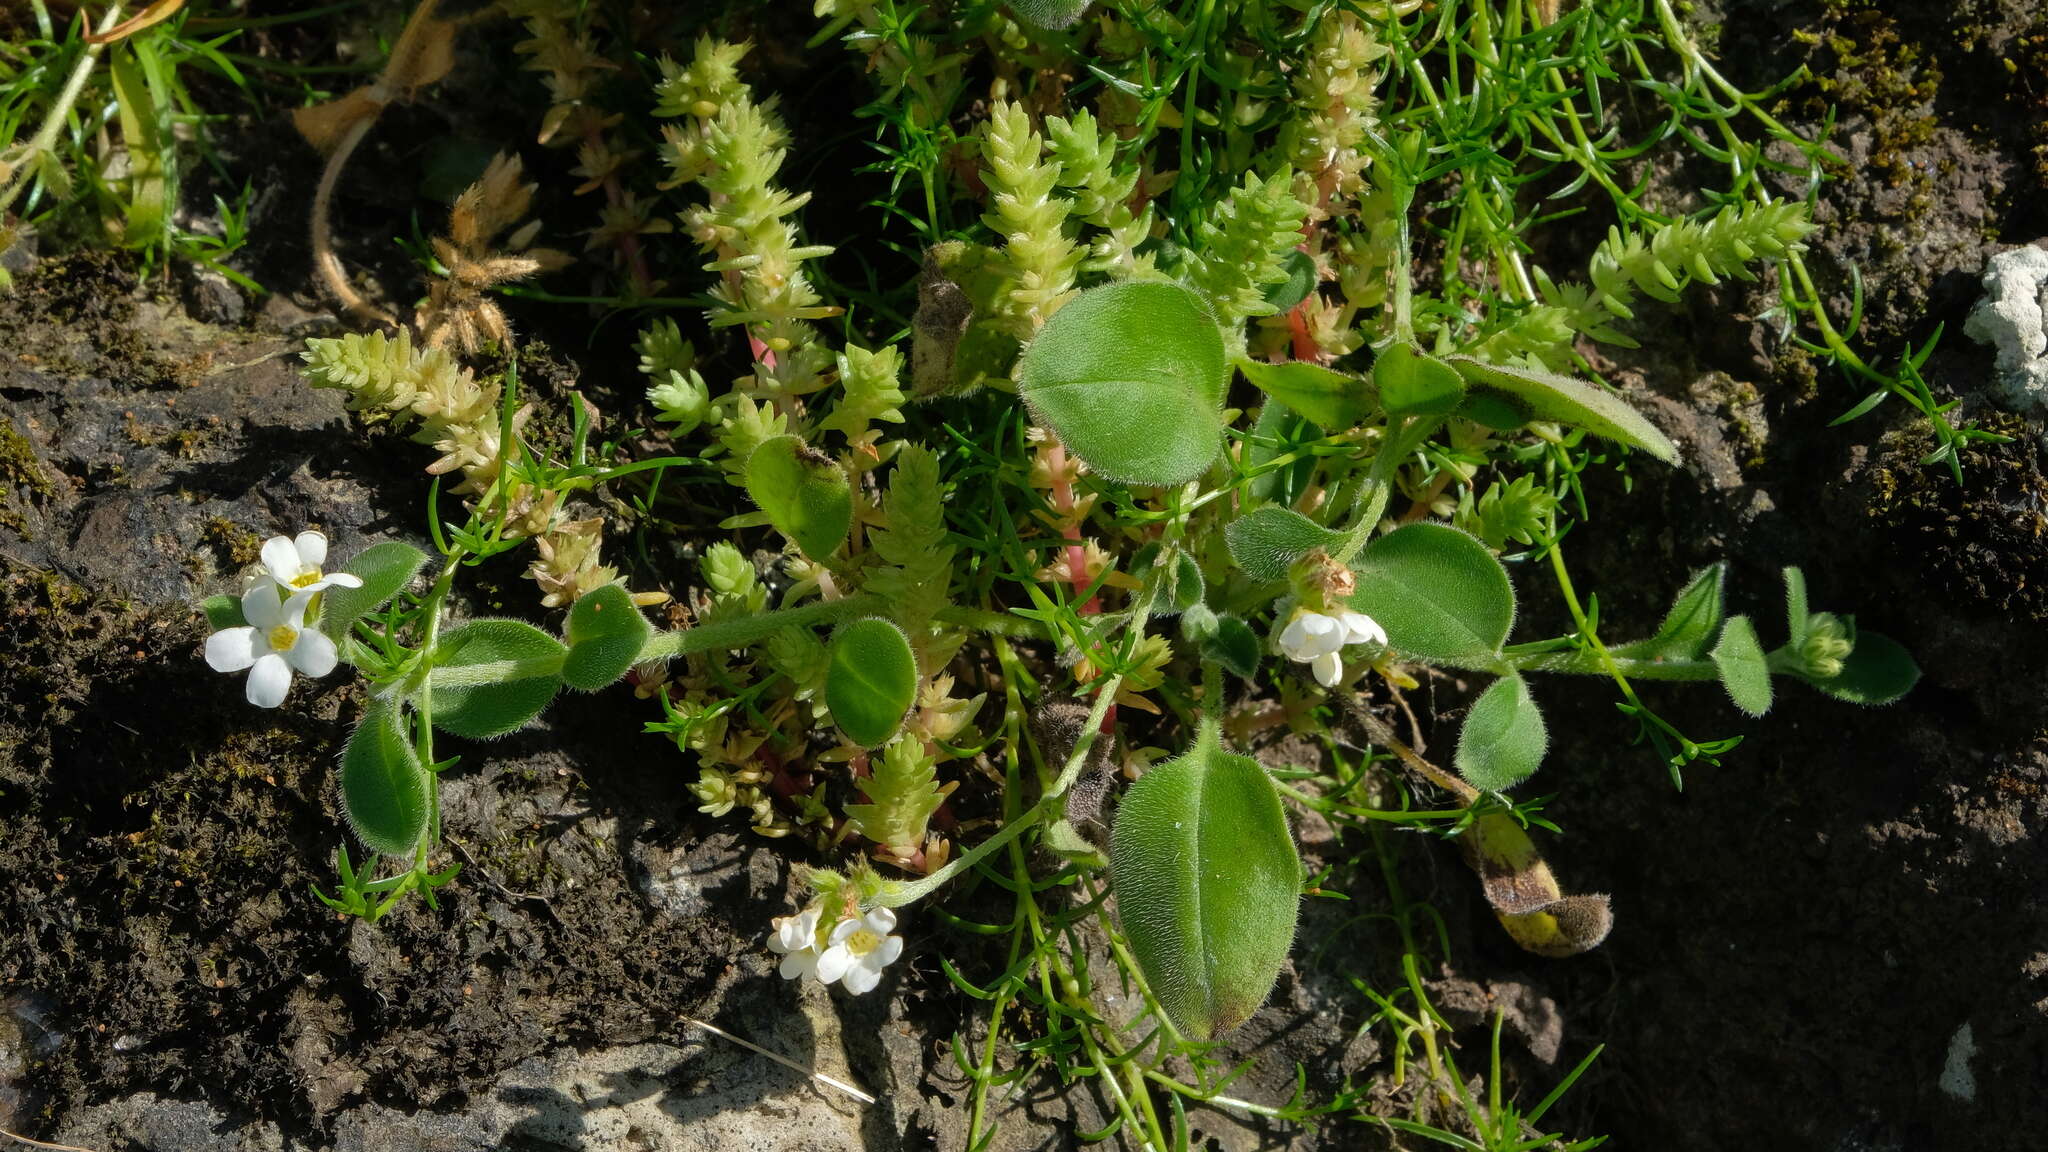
[1745,671]
[804,493]
[1440,595]
[1329,397]
[383,786]
[384,569]
[1208,885]
[526,666]
[1504,736]
[871,680]
[605,631]
[1549,396]
[1267,540]
[1130,377]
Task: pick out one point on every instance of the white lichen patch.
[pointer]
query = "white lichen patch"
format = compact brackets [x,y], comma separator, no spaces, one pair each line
[2011,318]
[1957,1079]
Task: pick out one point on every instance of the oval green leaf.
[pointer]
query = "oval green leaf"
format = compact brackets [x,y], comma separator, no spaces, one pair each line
[1878,670]
[804,493]
[1440,595]
[1329,397]
[870,681]
[1744,671]
[1413,384]
[1504,737]
[1049,14]
[1208,886]
[1549,396]
[384,569]
[517,669]
[223,612]
[383,786]
[606,632]
[1176,575]
[1692,621]
[1130,377]
[1267,541]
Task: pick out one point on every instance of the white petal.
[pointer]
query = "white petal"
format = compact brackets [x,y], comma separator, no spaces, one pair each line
[231,649]
[342,580]
[282,558]
[296,609]
[881,921]
[802,962]
[841,931]
[1292,638]
[314,654]
[1362,629]
[833,964]
[1329,667]
[891,948]
[861,979]
[269,680]
[261,606]
[312,549]
[1325,635]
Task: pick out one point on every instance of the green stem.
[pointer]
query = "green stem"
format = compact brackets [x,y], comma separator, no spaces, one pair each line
[424,703]
[1403,433]
[53,123]
[899,894]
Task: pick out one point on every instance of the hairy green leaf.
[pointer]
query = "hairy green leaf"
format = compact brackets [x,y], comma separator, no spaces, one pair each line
[1689,626]
[1504,736]
[1178,575]
[1439,593]
[1130,377]
[524,668]
[383,786]
[1411,383]
[1234,645]
[1208,885]
[1878,670]
[1795,607]
[1050,14]
[223,612]
[1267,541]
[384,569]
[1549,396]
[1328,397]
[606,632]
[804,493]
[872,680]
[1744,671]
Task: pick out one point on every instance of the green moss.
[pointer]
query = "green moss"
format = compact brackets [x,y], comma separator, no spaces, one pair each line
[237,544]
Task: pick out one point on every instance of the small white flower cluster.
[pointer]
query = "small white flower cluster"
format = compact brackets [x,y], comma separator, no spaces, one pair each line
[280,637]
[1319,640]
[855,952]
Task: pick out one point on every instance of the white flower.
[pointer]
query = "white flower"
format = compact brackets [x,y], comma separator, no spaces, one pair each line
[295,564]
[796,938]
[1318,640]
[859,949]
[277,640]
[1361,629]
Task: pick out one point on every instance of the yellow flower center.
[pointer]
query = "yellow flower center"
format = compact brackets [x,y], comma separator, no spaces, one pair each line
[307,578]
[283,637]
[862,942]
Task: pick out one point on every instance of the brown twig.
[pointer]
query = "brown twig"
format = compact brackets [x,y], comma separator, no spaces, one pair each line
[41,1144]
